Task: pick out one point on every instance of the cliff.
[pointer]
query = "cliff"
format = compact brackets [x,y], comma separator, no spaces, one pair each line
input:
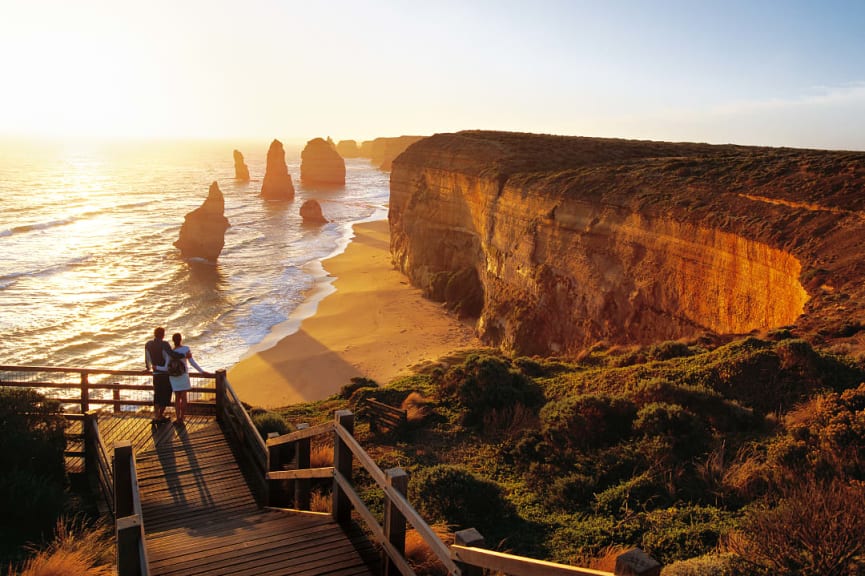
[277,184]
[555,243]
[320,163]
[202,234]
[382,151]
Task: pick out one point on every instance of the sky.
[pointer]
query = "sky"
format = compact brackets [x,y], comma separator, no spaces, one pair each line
[761,72]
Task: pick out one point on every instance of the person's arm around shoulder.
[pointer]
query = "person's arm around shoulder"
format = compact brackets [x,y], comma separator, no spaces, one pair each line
[147,362]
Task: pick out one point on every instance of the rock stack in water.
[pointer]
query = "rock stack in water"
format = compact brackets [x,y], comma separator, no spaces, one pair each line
[277,183]
[320,163]
[241,170]
[348,148]
[203,232]
[310,211]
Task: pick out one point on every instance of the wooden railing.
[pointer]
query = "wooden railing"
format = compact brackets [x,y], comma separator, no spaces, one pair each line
[290,489]
[97,463]
[129,521]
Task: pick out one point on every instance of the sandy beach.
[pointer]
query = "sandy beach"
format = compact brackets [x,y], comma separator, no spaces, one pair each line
[374,325]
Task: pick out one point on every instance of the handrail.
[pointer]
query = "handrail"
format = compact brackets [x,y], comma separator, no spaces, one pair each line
[129,519]
[96,457]
[239,425]
[517,565]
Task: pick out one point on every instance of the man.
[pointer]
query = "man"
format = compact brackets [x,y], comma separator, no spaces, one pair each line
[155,359]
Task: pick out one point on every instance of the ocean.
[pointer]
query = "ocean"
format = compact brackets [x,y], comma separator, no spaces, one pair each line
[88,269]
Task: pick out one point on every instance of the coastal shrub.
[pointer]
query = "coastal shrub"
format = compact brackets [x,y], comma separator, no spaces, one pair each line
[586,421]
[32,471]
[455,496]
[680,532]
[713,564]
[571,491]
[356,383]
[636,493]
[485,382]
[78,549]
[814,529]
[669,349]
[464,293]
[267,422]
[685,431]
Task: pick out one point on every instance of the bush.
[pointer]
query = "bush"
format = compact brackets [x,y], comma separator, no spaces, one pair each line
[453,495]
[684,430]
[483,383]
[574,490]
[586,421]
[683,532]
[814,530]
[267,422]
[634,493]
[32,471]
[357,382]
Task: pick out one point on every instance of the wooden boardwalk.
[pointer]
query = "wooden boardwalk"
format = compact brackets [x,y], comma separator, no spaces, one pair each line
[201,517]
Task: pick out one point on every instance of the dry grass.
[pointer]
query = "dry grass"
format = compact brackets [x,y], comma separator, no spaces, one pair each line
[417,407]
[321,456]
[510,421]
[319,502]
[77,550]
[421,557]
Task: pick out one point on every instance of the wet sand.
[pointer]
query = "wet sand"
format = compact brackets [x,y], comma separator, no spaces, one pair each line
[374,325]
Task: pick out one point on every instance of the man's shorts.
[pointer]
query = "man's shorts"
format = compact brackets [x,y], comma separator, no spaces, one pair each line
[161,389]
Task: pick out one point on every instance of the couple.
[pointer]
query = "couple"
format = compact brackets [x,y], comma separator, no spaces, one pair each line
[157,356]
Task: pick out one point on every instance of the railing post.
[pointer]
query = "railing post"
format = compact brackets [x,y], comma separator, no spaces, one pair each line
[85,393]
[116,397]
[90,448]
[221,379]
[342,463]
[301,485]
[127,531]
[279,492]
[469,538]
[394,521]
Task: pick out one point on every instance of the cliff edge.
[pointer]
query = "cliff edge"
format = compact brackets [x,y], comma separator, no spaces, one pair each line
[556,243]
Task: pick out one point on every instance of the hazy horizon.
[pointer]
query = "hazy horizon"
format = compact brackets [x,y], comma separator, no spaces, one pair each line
[751,73]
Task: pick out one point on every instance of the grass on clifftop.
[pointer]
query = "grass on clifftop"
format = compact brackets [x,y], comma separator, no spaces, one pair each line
[703,454]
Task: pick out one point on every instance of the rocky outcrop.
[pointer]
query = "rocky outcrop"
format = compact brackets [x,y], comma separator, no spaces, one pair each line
[277,183]
[310,211]
[348,148]
[382,151]
[556,243]
[241,170]
[320,163]
[202,234]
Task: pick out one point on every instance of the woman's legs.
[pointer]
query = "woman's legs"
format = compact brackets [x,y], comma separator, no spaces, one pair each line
[180,405]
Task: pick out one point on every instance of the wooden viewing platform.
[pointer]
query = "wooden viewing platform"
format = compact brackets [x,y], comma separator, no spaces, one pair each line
[213,497]
[202,517]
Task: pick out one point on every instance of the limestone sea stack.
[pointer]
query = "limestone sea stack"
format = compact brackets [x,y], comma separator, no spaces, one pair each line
[348,148]
[202,234]
[277,183]
[241,170]
[557,243]
[310,211]
[382,151]
[320,163]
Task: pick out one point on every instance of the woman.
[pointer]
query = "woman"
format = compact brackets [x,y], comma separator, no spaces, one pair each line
[180,383]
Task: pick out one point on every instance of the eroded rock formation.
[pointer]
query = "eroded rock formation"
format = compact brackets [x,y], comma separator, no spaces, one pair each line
[556,243]
[310,211]
[277,183]
[241,170]
[382,151]
[320,163]
[202,234]
[348,148]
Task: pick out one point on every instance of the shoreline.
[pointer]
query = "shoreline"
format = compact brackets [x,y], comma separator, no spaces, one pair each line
[363,320]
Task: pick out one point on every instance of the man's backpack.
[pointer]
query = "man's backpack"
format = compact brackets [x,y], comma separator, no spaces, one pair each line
[176,366]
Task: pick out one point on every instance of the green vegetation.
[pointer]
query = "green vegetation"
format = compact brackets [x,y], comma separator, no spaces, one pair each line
[703,454]
[41,513]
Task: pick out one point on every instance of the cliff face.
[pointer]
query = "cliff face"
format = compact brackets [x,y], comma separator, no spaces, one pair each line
[556,243]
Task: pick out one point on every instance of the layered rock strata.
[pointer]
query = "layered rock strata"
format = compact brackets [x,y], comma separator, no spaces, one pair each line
[277,184]
[202,234]
[556,243]
[241,170]
[320,163]
[382,151]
